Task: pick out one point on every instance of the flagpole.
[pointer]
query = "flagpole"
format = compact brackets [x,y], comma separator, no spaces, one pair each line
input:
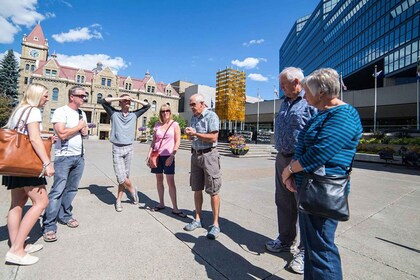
[274,107]
[258,116]
[418,94]
[376,100]
[258,110]
[341,86]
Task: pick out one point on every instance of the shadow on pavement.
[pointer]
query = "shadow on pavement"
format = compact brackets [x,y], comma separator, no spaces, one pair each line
[102,193]
[213,254]
[230,264]
[387,168]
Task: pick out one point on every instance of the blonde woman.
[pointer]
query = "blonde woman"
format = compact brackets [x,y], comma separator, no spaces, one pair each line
[166,139]
[23,188]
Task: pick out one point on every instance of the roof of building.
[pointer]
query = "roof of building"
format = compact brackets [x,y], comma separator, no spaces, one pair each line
[36,36]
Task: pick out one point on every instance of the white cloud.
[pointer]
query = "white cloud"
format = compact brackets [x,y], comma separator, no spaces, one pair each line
[253,42]
[257,77]
[15,13]
[89,61]
[50,15]
[67,4]
[248,63]
[17,55]
[79,34]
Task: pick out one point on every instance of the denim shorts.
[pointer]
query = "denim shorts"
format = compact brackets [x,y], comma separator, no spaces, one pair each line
[162,168]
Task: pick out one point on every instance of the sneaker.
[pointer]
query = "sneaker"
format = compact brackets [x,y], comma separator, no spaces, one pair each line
[193,225]
[32,248]
[135,196]
[276,246]
[296,265]
[118,206]
[213,233]
[25,260]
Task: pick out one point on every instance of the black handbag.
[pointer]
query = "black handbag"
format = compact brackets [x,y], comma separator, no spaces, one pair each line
[325,196]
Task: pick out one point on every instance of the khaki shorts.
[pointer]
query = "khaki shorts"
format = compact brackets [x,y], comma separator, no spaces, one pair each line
[205,172]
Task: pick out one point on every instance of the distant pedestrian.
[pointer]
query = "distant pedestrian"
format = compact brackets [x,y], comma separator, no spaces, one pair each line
[70,125]
[292,117]
[166,140]
[122,138]
[23,188]
[326,146]
[205,162]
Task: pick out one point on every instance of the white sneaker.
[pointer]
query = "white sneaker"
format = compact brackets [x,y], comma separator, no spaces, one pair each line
[118,206]
[25,260]
[32,248]
[297,264]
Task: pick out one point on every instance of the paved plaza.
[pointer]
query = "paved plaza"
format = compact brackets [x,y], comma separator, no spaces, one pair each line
[381,240]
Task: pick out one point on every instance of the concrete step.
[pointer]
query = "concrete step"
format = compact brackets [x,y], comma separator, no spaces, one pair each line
[255,150]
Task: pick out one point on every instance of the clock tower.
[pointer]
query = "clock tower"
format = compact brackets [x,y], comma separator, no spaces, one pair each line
[34,50]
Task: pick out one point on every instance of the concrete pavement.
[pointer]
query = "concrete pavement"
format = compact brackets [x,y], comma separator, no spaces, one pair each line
[381,240]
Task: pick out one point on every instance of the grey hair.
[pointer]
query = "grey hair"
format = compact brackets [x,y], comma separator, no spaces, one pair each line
[198,97]
[292,73]
[73,90]
[324,80]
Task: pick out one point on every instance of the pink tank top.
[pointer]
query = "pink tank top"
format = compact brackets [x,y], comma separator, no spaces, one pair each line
[168,142]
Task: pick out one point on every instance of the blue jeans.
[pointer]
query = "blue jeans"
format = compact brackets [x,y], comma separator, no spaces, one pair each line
[68,172]
[322,259]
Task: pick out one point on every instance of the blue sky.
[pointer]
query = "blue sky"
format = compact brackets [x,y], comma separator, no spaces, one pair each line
[174,39]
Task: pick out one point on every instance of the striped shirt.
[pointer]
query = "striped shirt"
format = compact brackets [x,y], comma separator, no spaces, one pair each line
[329,141]
[207,122]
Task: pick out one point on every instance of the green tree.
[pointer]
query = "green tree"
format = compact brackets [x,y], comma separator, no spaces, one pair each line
[9,74]
[154,119]
[5,109]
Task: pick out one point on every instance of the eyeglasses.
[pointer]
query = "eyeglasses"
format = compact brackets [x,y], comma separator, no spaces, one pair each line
[80,95]
[165,111]
[192,104]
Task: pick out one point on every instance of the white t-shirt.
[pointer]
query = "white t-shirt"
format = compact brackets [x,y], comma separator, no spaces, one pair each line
[34,116]
[73,145]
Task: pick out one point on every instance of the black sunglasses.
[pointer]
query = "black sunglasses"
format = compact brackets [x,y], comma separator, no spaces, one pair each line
[80,95]
[165,111]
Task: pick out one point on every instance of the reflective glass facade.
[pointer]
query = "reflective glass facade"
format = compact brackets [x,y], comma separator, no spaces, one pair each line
[352,36]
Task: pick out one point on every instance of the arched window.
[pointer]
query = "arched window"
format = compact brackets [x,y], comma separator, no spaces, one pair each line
[27,67]
[55,94]
[154,106]
[87,96]
[99,97]
[32,68]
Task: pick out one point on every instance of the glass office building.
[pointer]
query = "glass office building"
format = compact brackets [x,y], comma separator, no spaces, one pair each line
[352,36]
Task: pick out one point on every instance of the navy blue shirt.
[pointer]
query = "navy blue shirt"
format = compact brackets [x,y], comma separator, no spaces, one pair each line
[290,120]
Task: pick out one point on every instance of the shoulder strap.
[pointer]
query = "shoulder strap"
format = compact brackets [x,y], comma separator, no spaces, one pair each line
[165,134]
[21,115]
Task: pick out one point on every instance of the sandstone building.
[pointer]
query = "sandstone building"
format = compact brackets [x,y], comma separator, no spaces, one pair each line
[37,66]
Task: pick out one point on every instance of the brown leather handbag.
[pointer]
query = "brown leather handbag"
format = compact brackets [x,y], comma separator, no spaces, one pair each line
[17,156]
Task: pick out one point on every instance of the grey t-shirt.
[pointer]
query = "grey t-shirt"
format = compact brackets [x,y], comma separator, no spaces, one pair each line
[123,127]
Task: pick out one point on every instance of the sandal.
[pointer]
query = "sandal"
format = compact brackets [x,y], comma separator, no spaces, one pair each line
[72,223]
[179,214]
[158,208]
[50,236]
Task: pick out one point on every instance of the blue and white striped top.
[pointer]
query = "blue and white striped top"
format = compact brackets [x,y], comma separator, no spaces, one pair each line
[329,140]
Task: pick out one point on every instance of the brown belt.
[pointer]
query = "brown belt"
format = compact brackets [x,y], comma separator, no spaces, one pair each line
[203,151]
